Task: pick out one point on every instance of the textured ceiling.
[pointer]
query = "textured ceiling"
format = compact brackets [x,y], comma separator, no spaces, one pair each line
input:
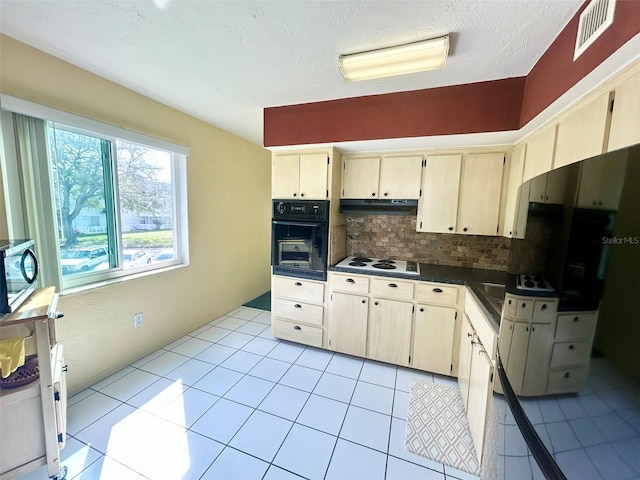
[224,61]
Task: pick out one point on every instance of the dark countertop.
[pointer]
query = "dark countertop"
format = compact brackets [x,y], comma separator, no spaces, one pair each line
[469,277]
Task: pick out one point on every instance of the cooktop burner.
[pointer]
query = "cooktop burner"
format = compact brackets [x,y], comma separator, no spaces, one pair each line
[375,264]
[534,283]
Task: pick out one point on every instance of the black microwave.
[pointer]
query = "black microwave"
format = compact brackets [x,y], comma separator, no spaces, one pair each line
[18,273]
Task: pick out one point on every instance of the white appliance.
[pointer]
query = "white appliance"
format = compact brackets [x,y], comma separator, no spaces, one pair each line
[533,283]
[380,265]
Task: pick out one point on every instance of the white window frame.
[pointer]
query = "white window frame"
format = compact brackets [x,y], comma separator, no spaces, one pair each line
[112,133]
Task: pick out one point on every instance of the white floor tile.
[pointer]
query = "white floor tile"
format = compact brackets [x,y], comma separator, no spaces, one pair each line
[373,397]
[264,318]
[250,391]
[218,320]
[216,354]
[617,399]
[302,378]
[186,409]
[152,355]
[222,421]
[106,468]
[277,473]
[79,396]
[571,408]
[405,376]
[121,373]
[541,430]
[190,372]
[199,330]
[367,428]
[397,448]
[235,310]
[550,410]
[266,333]
[236,340]
[252,328]
[594,405]
[214,334]
[241,361]
[562,437]
[270,369]
[345,365]
[323,414]
[514,467]
[284,402]
[614,427]
[231,323]
[164,363]
[176,342]
[261,435]
[191,347]
[587,432]
[356,463]
[234,465]
[609,463]
[247,313]
[219,381]
[576,464]
[157,395]
[631,416]
[314,358]
[532,409]
[260,346]
[335,387]
[104,433]
[400,470]
[287,352]
[88,410]
[129,385]
[514,444]
[446,381]
[306,452]
[378,373]
[400,404]
[628,450]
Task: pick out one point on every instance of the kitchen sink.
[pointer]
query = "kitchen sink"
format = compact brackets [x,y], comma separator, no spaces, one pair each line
[494,293]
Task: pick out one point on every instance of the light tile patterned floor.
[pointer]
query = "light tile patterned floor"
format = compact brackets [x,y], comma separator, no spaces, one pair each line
[228,401]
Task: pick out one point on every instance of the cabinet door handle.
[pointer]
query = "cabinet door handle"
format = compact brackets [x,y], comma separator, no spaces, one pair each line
[567,375]
[527,329]
[571,347]
[297,328]
[533,329]
[393,285]
[386,194]
[298,284]
[465,229]
[373,194]
[576,319]
[544,306]
[350,280]
[295,194]
[524,305]
[437,290]
[469,334]
[297,305]
[364,301]
[422,309]
[302,194]
[375,303]
[450,229]
[509,302]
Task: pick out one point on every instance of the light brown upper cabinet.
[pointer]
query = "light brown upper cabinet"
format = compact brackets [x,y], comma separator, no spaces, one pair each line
[301,176]
[480,189]
[625,119]
[539,156]
[381,177]
[513,223]
[583,134]
[438,206]
[550,187]
[597,191]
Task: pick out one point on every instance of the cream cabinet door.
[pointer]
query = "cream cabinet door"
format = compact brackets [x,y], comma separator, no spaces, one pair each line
[438,205]
[348,324]
[517,359]
[540,151]
[313,176]
[400,177]
[589,190]
[514,187]
[581,135]
[433,338]
[389,331]
[467,336]
[479,393]
[538,188]
[595,190]
[480,194]
[360,177]
[611,186]
[556,186]
[625,119]
[538,358]
[285,176]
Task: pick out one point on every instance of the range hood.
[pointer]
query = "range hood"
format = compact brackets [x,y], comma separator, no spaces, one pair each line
[378,207]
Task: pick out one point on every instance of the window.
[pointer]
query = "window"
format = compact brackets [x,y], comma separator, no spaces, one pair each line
[102,202]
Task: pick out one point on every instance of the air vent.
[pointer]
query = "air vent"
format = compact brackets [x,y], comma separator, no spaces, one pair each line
[594,20]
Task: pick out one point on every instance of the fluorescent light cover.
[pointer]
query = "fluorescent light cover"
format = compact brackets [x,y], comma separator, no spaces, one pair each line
[399,60]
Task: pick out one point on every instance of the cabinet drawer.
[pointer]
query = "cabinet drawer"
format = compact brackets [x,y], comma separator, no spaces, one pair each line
[570,353]
[392,288]
[349,283]
[566,380]
[575,326]
[544,311]
[298,311]
[298,289]
[509,309]
[524,309]
[297,333]
[437,293]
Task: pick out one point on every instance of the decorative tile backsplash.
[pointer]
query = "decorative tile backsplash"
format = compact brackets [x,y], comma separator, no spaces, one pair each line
[395,236]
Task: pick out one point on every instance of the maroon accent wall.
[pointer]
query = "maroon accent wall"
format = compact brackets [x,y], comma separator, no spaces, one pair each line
[556,72]
[494,106]
[478,107]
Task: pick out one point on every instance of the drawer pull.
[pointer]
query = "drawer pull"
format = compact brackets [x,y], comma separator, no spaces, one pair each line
[567,375]
[524,305]
[350,280]
[571,347]
[544,306]
[393,285]
[509,302]
[364,301]
[375,303]
[297,305]
[298,284]
[297,328]
[422,309]
[576,319]
[437,290]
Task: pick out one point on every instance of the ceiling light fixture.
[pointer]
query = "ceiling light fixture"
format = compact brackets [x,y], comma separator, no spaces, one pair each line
[399,60]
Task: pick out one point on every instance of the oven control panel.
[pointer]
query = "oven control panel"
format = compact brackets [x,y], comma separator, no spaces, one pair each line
[300,209]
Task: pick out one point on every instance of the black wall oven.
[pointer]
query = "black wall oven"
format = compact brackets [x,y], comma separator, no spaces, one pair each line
[299,238]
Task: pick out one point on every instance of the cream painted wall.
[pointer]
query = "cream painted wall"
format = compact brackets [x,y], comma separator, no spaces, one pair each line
[229,220]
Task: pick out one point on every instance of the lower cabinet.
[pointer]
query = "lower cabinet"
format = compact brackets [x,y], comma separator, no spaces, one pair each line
[538,354]
[433,338]
[466,353]
[348,326]
[389,336]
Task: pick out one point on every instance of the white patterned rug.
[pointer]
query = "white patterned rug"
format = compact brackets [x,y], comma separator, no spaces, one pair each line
[437,427]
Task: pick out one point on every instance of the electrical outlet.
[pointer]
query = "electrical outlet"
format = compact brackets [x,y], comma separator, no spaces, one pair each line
[138,320]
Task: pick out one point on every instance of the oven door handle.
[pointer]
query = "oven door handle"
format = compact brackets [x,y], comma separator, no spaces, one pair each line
[299,224]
